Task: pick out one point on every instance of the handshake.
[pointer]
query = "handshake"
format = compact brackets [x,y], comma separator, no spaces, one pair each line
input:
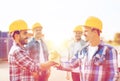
[54,60]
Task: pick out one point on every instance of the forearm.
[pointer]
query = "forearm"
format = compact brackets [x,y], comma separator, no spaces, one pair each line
[68,66]
[46,65]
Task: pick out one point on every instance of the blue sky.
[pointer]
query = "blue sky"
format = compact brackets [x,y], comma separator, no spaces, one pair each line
[59,17]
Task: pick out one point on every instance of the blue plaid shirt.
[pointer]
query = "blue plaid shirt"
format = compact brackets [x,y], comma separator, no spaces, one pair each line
[102,67]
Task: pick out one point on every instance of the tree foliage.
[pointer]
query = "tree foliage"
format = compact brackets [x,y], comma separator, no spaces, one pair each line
[117,38]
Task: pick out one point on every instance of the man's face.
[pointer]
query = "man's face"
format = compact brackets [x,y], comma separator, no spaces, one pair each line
[23,37]
[77,35]
[88,33]
[37,32]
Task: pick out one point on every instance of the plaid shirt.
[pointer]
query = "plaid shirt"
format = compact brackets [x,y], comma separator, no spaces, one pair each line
[74,47]
[34,49]
[20,64]
[102,66]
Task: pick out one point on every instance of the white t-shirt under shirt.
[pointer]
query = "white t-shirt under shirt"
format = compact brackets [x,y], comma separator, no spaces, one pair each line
[41,55]
[91,51]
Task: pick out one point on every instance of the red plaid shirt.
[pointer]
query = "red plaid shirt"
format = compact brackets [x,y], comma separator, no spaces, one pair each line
[21,65]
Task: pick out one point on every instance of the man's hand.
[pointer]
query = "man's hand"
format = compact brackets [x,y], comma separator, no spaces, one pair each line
[47,65]
[60,67]
[36,75]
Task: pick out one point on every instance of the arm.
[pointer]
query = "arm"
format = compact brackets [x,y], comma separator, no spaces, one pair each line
[114,64]
[25,62]
[69,65]
[111,64]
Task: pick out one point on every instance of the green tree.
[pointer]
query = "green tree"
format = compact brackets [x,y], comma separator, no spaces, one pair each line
[117,38]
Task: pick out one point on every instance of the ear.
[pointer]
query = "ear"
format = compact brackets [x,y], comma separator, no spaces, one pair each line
[95,31]
[16,36]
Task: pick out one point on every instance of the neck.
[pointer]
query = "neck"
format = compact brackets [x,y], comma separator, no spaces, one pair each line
[37,38]
[17,42]
[77,40]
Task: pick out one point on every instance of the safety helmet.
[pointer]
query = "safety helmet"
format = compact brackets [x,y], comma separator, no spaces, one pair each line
[36,25]
[78,28]
[94,22]
[18,25]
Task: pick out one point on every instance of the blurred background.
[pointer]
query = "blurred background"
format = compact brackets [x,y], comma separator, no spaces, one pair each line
[58,18]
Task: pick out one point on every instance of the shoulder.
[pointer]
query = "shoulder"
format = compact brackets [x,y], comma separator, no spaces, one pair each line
[15,49]
[84,48]
[32,43]
[83,42]
[110,47]
[70,43]
[31,40]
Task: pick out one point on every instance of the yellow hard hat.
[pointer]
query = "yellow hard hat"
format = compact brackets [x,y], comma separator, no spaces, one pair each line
[18,25]
[36,25]
[78,28]
[94,22]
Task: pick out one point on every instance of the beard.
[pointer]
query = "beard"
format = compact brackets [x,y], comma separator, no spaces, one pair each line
[23,41]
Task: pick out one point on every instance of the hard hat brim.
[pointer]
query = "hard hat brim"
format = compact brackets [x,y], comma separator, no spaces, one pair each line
[91,27]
